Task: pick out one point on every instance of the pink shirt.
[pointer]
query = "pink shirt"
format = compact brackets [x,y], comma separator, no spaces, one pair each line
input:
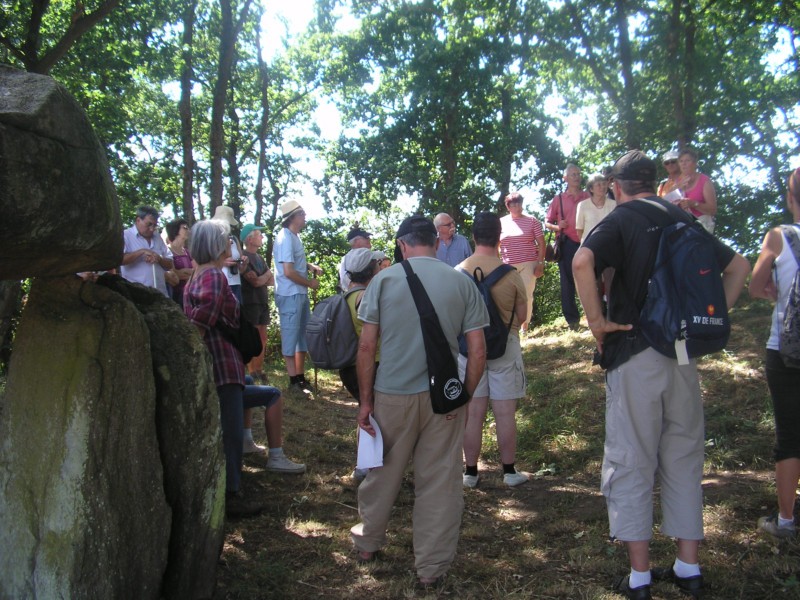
[518,239]
[570,202]
[696,193]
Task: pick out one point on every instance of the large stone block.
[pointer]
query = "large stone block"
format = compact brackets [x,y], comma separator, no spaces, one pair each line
[190,438]
[59,206]
[83,512]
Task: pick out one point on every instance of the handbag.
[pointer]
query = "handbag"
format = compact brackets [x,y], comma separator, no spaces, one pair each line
[447,391]
[552,250]
[246,338]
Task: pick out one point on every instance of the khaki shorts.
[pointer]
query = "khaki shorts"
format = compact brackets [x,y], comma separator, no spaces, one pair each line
[504,377]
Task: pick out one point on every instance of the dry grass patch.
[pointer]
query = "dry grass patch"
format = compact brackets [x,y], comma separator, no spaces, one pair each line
[547,539]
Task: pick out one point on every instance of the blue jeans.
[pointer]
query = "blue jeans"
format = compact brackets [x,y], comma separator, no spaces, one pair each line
[231,407]
[569,307]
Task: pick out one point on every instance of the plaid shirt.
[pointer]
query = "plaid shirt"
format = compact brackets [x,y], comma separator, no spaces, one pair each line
[206,299]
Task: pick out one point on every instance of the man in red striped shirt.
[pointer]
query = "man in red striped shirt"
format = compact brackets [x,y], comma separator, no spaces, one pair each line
[522,246]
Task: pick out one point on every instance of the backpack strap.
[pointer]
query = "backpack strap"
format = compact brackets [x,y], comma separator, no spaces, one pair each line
[791,234]
[495,276]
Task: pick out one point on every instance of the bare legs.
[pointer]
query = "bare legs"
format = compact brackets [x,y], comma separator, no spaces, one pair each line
[504,411]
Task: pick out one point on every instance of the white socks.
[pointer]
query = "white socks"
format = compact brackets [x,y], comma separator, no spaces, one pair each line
[684,570]
[639,578]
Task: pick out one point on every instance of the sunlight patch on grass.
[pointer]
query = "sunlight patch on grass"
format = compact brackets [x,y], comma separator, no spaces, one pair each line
[308,529]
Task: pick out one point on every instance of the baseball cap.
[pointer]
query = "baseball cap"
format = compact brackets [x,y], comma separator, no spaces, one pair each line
[634,166]
[357,232]
[357,260]
[671,155]
[247,230]
[415,224]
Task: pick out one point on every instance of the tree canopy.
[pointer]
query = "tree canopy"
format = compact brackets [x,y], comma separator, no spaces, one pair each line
[449,104]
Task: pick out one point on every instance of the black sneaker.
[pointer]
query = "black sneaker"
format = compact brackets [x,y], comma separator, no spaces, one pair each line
[238,507]
[623,587]
[691,586]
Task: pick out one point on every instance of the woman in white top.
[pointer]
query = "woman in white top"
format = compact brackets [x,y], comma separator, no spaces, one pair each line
[772,278]
[592,210]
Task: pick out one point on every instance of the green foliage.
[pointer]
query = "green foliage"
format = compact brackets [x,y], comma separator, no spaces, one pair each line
[547,296]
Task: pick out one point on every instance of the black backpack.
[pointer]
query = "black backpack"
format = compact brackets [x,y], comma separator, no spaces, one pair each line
[789,347]
[685,314]
[497,332]
[330,336]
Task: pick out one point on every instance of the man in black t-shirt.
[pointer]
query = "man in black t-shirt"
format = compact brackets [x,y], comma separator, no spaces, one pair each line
[654,412]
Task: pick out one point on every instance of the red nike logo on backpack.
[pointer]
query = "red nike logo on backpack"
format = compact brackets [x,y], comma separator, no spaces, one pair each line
[705,271]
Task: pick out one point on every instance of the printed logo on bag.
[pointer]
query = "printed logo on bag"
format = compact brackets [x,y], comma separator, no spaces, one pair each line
[452,389]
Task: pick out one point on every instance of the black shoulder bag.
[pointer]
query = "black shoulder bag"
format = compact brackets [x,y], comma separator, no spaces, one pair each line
[447,391]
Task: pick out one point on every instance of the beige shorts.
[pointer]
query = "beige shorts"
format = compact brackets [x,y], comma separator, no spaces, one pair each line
[504,377]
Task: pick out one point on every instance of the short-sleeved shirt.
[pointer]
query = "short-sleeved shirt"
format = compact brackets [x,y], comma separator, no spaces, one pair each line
[505,292]
[208,299]
[289,249]
[389,304]
[628,242]
[518,239]
[250,294]
[141,271]
[453,253]
[235,255]
[570,202]
[589,215]
[182,261]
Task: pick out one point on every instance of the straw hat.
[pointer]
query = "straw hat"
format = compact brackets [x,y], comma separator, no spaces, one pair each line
[288,208]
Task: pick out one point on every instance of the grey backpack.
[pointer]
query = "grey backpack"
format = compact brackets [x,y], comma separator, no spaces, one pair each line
[330,336]
[790,328]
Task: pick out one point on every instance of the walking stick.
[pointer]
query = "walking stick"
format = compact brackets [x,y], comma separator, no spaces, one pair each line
[314,298]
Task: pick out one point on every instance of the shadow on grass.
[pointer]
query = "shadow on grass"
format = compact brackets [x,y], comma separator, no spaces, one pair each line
[545,539]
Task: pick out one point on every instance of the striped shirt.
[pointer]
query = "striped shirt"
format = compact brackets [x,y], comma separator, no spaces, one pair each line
[518,239]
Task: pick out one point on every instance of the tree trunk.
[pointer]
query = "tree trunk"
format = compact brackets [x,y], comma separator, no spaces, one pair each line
[185,111]
[263,84]
[227,56]
[234,177]
[628,97]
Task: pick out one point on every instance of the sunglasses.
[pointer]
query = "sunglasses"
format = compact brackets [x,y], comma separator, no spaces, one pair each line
[671,162]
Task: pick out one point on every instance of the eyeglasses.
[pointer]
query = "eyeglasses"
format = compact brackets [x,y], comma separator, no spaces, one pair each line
[514,202]
[447,225]
[673,161]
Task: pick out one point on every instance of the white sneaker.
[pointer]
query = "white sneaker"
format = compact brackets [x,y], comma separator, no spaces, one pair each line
[281,464]
[250,447]
[514,479]
[470,481]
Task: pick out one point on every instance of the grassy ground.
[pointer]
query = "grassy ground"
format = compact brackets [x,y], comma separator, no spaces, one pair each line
[546,539]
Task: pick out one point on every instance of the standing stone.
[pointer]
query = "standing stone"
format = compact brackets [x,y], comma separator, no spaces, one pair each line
[190,438]
[59,206]
[82,510]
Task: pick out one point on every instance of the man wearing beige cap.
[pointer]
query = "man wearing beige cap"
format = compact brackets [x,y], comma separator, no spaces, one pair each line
[291,293]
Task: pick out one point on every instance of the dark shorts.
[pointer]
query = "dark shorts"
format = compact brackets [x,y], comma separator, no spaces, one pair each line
[783,385]
[257,314]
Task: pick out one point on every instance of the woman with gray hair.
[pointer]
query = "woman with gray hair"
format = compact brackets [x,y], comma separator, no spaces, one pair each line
[208,301]
[591,211]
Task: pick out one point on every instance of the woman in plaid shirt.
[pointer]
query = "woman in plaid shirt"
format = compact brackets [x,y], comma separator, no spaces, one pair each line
[207,301]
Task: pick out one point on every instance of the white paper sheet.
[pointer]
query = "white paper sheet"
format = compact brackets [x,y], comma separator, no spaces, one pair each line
[370,449]
[674,196]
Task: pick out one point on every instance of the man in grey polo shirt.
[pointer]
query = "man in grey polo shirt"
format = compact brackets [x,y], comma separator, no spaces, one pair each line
[398,398]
